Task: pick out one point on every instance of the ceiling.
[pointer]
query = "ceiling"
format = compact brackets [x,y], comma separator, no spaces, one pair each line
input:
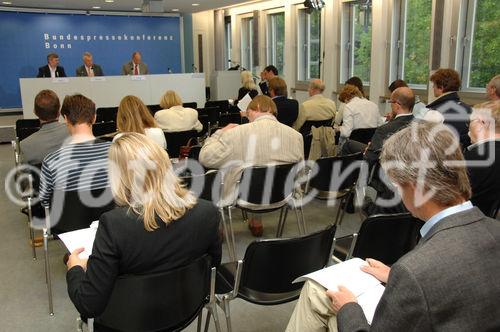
[183,6]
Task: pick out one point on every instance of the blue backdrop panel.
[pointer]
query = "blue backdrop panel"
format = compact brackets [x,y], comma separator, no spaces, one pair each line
[27,38]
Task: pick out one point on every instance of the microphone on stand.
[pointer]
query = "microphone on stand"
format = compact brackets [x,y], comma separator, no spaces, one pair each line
[195,69]
[169,70]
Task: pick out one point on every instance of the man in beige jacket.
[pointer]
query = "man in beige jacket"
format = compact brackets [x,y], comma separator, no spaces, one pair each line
[262,141]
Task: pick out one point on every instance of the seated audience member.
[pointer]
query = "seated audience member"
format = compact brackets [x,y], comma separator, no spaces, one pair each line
[493,88]
[483,156]
[317,107]
[446,83]
[265,76]
[358,112]
[52,133]
[247,86]
[419,108]
[262,141]
[133,116]
[52,69]
[89,68]
[135,66]
[288,109]
[82,163]
[174,117]
[427,289]
[156,227]
[357,82]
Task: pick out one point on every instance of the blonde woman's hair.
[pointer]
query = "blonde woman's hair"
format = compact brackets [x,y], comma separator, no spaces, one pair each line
[170,99]
[143,180]
[247,80]
[133,116]
[348,92]
[263,104]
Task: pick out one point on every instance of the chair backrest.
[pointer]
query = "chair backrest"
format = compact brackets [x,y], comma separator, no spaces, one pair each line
[267,184]
[270,265]
[103,128]
[222,105]
[363,135]
[167,301]
[213,114]
[306,127]
[177,139]
[153,109]
[387,237]
[72,210]
[106,114]
[26,127]
[203,185]
[336,173]
[192,105]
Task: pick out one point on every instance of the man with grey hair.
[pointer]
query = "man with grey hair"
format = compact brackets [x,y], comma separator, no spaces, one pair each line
[482,164]
[317,107]
[135,66]
[493,88]
[89,68]
[449,281]
[52,69]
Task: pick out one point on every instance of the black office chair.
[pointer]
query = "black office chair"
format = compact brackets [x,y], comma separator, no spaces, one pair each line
[177,139]
[69,211]
[193,105]
[222,105]
[385,237]
[167,301]
[103,128]
[335,178]
[26,127]
[153,109]
[213,114]
[227,118]
[203,185]
[269,267]
[362,135]
[106,114]
[263,189]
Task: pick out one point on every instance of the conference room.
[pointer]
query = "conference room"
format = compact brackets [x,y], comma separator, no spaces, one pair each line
[232,165]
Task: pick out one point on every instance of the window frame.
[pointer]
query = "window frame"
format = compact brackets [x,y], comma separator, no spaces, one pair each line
[228,41]
[246,28]
[302,30]
[271,54]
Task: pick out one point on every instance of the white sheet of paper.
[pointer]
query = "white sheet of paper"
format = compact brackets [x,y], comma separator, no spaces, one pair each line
[243,103]
[80,238]
[369,301]
[347,274]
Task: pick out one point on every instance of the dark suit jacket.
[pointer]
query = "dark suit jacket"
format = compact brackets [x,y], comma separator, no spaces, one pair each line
[456,114]
[82,71]
[288,110]
[123,246]
[243,91]
[264,88]
[449,282]
[45,71]
[484,180]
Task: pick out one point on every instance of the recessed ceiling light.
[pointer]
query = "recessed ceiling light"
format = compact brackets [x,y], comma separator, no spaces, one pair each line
[6,2]
[109,1]
[137,8]
[196,4]
[96,7]
[175,9]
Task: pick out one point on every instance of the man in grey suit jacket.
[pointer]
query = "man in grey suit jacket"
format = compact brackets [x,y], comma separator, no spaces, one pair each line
[135,66]
[52,133]
[89,68]
[449,282]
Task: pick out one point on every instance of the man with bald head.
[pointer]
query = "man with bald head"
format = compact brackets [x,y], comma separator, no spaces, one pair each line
[317,107]
[135,66]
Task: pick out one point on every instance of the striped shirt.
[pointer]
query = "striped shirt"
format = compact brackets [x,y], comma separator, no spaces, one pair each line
[78,166]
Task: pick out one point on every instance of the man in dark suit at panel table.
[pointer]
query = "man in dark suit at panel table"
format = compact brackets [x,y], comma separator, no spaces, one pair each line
[135,66]
[52,69]
[449,281]
[89,68]
[288,109]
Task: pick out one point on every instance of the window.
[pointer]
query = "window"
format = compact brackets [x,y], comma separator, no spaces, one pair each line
[481,43]
[309,45]
[227,41]
[276,40]
[357,39]
[246,43]
[413,42]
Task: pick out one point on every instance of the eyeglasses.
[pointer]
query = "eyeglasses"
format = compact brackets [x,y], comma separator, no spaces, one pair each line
[390,101]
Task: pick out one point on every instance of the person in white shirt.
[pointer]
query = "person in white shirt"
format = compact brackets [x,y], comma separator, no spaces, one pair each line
[317,107]
[358,112]
[133,116]
[174,117]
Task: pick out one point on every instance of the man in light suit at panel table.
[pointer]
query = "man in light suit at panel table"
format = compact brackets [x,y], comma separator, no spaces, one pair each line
[89,68]
[135,66]
[449,281]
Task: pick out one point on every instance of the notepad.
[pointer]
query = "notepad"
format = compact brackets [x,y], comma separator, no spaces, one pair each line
[243,103]
[82,238]
[365,287]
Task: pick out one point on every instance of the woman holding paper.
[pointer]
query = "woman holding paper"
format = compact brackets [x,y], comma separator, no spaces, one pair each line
[158,225]
[248,86]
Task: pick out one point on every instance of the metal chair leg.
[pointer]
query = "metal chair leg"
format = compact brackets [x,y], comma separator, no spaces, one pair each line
[207,320]
[30,229]
[227,313]
[303,219]
[233,243]
[226,234]
[245,215]
[200,317]
[280,222]
[285,215]
[348,198]
[47,270]
[213,311]
[338,212]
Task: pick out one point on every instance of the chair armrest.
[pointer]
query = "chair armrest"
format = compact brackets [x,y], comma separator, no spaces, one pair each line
[237,278]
